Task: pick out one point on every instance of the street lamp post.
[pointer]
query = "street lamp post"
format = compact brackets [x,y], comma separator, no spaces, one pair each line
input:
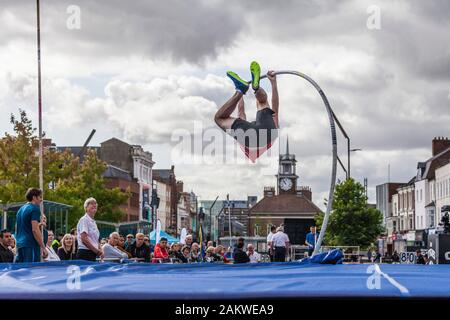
[210,219]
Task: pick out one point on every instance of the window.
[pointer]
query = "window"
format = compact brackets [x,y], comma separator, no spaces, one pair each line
[420,195]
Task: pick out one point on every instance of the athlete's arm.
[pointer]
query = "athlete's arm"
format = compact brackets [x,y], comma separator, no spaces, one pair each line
[275,100]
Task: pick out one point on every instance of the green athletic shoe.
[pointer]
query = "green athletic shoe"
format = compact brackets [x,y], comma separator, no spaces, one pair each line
[256,73]
[240,84]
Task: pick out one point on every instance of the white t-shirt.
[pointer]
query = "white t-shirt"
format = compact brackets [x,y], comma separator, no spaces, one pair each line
[112,252]
[255,257]
[52,256]
[87,224]
[270,237]
[279,239]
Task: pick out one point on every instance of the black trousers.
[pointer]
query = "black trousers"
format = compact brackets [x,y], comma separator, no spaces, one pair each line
[88,255]
[280,254]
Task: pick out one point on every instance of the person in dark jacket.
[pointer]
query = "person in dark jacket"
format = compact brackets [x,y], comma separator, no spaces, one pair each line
[6,241]
[395,257]
[139,249]
[420,259]
[175,253]
[239,254]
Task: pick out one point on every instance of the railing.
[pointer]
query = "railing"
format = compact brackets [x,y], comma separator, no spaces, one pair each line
[351,253]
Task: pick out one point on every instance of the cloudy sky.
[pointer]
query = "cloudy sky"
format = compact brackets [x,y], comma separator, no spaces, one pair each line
[144,71]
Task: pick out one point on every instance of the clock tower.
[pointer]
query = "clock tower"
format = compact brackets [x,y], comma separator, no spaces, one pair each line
[286,177]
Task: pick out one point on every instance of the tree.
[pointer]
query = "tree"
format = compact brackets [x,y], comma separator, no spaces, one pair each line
[87,182]
[65,179]
[352,222]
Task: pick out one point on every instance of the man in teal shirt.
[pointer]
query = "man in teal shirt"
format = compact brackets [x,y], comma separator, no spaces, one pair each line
[29,242]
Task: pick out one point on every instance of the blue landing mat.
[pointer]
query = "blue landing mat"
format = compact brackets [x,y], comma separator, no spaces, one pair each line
[82,280]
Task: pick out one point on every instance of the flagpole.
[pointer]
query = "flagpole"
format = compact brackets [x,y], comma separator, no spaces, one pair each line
[41,161]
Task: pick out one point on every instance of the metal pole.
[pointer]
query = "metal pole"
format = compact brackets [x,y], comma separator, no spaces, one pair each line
[210,218]
[342,166]
[348,159]
[229,217]
[344,133]
[332,119]
[41,161]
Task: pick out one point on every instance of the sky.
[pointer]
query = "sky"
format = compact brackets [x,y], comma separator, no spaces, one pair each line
[154,72]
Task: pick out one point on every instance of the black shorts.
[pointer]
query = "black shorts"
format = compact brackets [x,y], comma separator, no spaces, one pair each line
[256,134]
[88,255]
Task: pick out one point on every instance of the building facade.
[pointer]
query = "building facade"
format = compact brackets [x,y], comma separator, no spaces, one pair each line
[291,205]
[442,190]
[167,177]
[431,188]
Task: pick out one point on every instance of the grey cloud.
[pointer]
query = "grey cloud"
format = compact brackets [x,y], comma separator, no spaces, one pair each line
[190,31]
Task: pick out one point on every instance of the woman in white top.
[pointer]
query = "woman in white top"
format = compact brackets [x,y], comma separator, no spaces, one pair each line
[52,256]
[254,256]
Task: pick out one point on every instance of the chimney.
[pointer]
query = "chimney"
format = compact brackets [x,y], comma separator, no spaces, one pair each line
[439,144]
[306,192]
[269,191]
[180,186]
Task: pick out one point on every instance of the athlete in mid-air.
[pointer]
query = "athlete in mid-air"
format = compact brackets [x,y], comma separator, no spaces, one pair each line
[257,136]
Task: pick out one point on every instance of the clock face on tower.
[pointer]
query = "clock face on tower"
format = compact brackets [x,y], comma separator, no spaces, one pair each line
[285,184]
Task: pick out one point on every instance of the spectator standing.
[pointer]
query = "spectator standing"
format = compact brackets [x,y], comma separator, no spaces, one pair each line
[6,240]
[139,249]
[30,243]
[88,234]
[269,242]
[311,240]
[254,256]
[280,244]
[110,249]
[67,250]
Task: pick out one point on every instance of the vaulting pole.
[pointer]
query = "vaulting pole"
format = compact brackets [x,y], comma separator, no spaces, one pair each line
[41,151]
[333,150]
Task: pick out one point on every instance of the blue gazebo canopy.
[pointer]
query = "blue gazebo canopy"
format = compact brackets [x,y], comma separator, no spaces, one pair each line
[164,234]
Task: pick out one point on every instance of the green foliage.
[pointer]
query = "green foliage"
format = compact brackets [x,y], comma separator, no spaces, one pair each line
[73,182]
[352,222]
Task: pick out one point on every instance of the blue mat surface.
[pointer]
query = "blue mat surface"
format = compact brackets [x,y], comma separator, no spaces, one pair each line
[58,280]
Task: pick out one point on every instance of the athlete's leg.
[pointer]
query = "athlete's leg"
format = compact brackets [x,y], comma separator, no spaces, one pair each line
[223,115]
[241,110]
